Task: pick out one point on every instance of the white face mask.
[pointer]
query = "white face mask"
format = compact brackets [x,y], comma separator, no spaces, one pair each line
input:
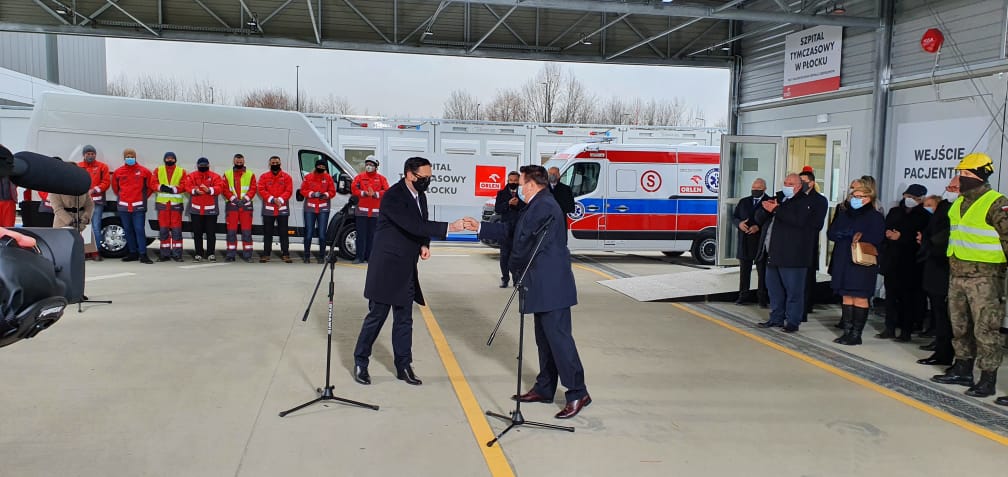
[910,203]
[950,196]
[369,168]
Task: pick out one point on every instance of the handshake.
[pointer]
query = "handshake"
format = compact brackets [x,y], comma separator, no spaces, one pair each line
[465,223]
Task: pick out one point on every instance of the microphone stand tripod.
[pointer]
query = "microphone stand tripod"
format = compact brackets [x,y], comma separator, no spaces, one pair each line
[515,417]
[326,393]
[84,298]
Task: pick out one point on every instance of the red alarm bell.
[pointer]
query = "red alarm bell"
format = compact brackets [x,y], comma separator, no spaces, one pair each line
[932,40]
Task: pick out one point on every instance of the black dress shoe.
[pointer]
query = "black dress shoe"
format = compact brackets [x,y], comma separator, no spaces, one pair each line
[768,324]
[573,407]
[131,257]
[932,360]
[361,375]
[145,259]
[407,374]
[886,335]
[163,259]
[532,396]
[504,284]
[789,329]
[1003,401]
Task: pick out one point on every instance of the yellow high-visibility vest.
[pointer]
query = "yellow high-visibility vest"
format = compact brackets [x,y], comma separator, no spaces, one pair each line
[176,179]
[246,182]
[971,238]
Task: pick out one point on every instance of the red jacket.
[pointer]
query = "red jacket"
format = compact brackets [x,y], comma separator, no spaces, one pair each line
[101,179]
[275,191]
[203,189]
[231,191]
[368,205]
[131,184]
[318,183]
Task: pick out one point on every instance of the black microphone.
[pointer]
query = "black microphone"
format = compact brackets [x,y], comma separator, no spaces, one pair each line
[47,174]
[545,225]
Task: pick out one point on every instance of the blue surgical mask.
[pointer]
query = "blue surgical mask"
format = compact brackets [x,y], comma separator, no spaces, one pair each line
[929,209]
[788,192]
[130,161]
[521,194]
[856,203]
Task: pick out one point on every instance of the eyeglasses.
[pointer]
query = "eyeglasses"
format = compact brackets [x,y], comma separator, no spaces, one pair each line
[859,196]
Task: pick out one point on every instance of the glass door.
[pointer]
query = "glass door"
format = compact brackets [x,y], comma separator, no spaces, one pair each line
[826,153]
[743,160]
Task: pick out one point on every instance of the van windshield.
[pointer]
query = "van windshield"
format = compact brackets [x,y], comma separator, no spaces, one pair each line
[308,158]
[582,177]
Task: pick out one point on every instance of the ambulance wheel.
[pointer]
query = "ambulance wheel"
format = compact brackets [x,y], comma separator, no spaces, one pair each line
[347,240]
[113,241]
[672,254]
[704,248]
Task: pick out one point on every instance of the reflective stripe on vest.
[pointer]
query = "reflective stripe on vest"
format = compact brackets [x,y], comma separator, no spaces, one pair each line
[164,197]
[246,182]
[971,238]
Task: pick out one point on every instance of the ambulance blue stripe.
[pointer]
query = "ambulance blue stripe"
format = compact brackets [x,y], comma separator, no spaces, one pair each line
[658,206]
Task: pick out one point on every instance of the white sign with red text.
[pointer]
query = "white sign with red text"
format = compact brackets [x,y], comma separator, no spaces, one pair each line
[812,61]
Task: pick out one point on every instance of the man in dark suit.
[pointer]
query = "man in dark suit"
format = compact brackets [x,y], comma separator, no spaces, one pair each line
[547,291]
[508,205]
[820,207]
[744,219]
[787,241]
[561,192]
[402,235]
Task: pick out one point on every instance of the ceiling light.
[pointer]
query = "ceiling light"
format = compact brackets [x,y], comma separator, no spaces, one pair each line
[838,9]
[427,33]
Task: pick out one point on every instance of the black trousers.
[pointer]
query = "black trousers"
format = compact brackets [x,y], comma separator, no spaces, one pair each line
[942,327]
[558,355]
[275,225]
[810,284]
[903,306]
[745,278]
[505,256]
[402,333]
[204,225]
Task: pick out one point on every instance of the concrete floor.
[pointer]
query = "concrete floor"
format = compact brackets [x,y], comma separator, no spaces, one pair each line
[185,372]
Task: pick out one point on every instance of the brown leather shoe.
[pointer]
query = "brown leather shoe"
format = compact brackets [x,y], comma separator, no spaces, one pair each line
[286,259]
[573,407]
[532,396]
[264,259]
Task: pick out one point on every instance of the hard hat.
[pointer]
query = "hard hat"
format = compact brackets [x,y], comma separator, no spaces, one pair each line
[975,160]
[371,159]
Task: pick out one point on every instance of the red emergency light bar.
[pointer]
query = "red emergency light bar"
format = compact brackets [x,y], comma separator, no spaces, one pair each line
[408,126]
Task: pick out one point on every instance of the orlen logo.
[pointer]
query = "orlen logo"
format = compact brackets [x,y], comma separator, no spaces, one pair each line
[691,189]
[696,180]
[490,180]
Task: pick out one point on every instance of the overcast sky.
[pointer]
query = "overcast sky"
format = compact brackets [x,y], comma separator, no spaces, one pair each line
[399,84]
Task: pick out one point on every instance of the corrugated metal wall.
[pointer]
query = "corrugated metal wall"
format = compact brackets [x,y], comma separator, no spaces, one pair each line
[976,26]
[81,59]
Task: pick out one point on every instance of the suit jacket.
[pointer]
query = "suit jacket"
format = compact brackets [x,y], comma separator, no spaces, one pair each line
[820,207]
[401,230]
[564,197]
[792,240]
[748,244]
[507,212]
[933,250]
[549,284]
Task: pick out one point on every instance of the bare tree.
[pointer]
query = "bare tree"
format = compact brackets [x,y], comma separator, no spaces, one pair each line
[330,104]
[507,105]
[542,93]
[205,92]
[274,98]
[612,111]
[576,105]
[120,86]
[461,105]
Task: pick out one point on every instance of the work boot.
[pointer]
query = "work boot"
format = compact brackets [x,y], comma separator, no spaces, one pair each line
[859,317]
[960,373]
[1003,400]
[845,319]
[163,258]
[286,258]
[264,259]
[985,386]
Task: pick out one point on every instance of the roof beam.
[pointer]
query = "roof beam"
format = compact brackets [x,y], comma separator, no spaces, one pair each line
[595,32]
[642,37]
[673,29]
[496,25]
[429,22]
[314,24]
[278,10]
[519,38]
[688,11]
[694,40]
[208,10]
[366,20]
[130,15]
[253,17]
[97,12]
[568,30]
[51,12]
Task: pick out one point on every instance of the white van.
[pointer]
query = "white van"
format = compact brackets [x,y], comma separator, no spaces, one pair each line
[62,124]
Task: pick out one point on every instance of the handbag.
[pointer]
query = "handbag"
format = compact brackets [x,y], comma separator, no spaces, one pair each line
[863,253]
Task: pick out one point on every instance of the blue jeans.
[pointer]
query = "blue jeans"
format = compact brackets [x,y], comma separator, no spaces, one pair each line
[786,286]
[315,223]
[99,210]
[133,227]
[365,235]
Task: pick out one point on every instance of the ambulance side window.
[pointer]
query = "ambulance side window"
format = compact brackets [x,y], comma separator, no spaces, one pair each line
[582,177]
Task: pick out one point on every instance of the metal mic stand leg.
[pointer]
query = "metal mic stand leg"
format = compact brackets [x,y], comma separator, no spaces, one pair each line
[326,393]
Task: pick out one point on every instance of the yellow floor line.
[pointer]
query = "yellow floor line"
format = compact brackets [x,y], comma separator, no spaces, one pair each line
[855,379]
[494,456]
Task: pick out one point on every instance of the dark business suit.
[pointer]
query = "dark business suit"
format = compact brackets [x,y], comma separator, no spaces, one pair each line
[508,215]
[748,247]
[564,197]
[788,254]
[548,292]
[392,281]
[820,207]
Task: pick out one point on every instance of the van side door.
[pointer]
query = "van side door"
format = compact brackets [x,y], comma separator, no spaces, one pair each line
[586,180]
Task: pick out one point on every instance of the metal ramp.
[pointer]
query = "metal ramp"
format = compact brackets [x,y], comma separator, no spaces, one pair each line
[688,285]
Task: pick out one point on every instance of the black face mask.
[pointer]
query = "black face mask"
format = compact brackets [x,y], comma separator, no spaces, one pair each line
[421,184]
[512,186]
[806,186]
[319,170]
[238,168]
[969,183]
[203,168]
[169,163]
[275,167]
[757,193]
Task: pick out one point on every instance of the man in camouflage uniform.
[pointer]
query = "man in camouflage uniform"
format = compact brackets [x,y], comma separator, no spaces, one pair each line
[978,246]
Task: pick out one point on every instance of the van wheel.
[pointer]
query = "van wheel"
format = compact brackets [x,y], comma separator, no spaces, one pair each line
[347,241]
[704,248]
[672,254]
[113,240]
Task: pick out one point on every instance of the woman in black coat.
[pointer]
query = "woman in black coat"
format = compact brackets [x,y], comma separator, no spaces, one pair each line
[860,220]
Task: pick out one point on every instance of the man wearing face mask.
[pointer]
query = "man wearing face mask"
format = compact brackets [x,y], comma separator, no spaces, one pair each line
[978,244]
[275,190]
[788,244]
[402,236]
[241,189]
[935,280]
[561,192]
[204,186]
[131,183]
[744,219]
[101,179]
[905,299]
[369,186]
[820,207]
[508,206]
[167,180]
[318,189]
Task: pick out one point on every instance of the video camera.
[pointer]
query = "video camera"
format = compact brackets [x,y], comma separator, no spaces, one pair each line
[38,280]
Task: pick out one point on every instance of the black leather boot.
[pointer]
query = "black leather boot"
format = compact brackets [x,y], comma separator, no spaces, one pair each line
[859,318]
[960,373]
[1003,400]
[845,322]
[985,386]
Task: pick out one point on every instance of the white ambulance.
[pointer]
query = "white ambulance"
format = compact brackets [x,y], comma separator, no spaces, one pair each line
[642,197]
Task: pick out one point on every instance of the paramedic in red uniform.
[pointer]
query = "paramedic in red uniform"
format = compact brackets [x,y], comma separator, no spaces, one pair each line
[318,189]
[204,186]
[369,186]
[275,189]
[241,189]
[101,179]
[130,183]
[167,180]
[8,202]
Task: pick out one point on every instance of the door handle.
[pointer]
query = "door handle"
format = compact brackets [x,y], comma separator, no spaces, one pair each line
[622,208]
[592,208]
